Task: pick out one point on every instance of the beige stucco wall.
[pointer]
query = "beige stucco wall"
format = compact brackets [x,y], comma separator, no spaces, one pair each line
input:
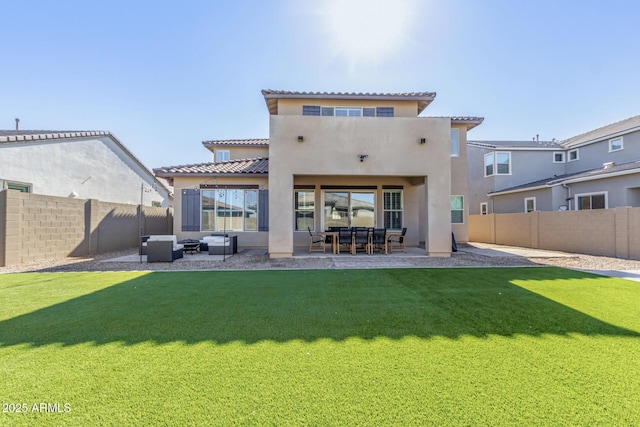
[293,107]
[245,238]
[607,232]
[331,147]
[460,183]
[241,152]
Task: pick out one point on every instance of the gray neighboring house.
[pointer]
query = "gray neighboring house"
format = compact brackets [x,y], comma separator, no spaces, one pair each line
[598,169]
[77,164]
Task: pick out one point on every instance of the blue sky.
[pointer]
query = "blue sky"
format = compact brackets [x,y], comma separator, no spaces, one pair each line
[165,75]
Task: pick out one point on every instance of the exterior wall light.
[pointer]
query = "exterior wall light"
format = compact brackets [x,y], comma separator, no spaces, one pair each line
[423,140]
[362,157]
[300,138]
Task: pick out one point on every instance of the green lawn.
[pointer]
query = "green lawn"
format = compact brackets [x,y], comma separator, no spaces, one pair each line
[503,346]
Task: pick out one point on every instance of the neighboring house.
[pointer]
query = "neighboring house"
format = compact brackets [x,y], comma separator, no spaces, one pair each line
[332,159]
[79,164]
[595,170]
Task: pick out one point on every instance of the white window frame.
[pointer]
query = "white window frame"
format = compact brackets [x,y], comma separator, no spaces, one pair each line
[569,159]
[484,208]
[493,164]
[495,155]
[24,186]
[496,162]
[455,143]
[222,153]
[595,193]
[392,208]
[295,211]
[458,210]
[555,153]
[526,199]
[611,149]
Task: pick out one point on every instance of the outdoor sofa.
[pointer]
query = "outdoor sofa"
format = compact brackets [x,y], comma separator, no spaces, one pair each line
[218,244]
[163,248]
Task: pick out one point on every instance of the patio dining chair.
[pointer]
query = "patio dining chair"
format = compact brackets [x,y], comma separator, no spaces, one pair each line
[379,239]
[317,242]
[345,238]
[361,239]
[397,241]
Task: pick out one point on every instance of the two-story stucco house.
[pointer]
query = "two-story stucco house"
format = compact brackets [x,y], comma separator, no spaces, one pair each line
[332,159]
[595,170]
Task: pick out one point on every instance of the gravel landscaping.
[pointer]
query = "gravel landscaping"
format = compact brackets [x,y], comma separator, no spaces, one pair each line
[257,259]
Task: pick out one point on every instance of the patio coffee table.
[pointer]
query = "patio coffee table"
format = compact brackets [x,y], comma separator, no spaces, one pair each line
[190,246]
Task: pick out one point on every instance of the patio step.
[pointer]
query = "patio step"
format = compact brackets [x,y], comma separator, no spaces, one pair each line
[377,262]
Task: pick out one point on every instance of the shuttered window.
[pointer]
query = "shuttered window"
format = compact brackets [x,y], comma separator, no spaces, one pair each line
[190,210]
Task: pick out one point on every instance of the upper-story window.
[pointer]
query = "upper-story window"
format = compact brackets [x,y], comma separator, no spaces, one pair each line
[348,112]
[222,155]
[316,110]
[498,163]
[573,155]
[558,157]
[455,143]
[615,144]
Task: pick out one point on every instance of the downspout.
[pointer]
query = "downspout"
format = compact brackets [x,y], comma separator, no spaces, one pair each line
[568,199]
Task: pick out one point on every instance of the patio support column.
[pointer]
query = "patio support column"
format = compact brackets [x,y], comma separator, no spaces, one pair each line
[280,214]
[438,212]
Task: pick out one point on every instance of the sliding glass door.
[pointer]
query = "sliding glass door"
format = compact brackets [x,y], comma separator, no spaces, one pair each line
[349,209]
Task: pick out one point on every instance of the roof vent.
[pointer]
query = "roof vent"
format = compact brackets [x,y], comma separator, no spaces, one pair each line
[17,124]
[608,165]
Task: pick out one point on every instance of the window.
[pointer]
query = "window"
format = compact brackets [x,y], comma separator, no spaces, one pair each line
[222,155]
[156,204]
[348,111]
[503,163]
[615,144]
[573,155]
[484,208]
[500,162]
[304,208]
[327,111]
[349,208]
[384,112]
[591,201]
[529,204]
[558,157]
[488,164]
[22,187]
[457,209]
[455,145]
[393,209]
[229,209]
[310,110]
[316,110]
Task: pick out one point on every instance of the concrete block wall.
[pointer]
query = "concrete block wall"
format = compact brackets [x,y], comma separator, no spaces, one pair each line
[36,227]
[607,232]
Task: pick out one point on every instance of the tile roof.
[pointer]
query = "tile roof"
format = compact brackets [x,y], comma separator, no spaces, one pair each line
[271,97]
[603,132]
[603,172]
[254,166]
[237,142]
[38,135]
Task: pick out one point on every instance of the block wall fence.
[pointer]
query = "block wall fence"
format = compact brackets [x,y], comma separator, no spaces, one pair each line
[607,232]
[36,227]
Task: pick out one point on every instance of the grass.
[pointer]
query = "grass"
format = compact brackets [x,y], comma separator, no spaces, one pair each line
[534,346]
